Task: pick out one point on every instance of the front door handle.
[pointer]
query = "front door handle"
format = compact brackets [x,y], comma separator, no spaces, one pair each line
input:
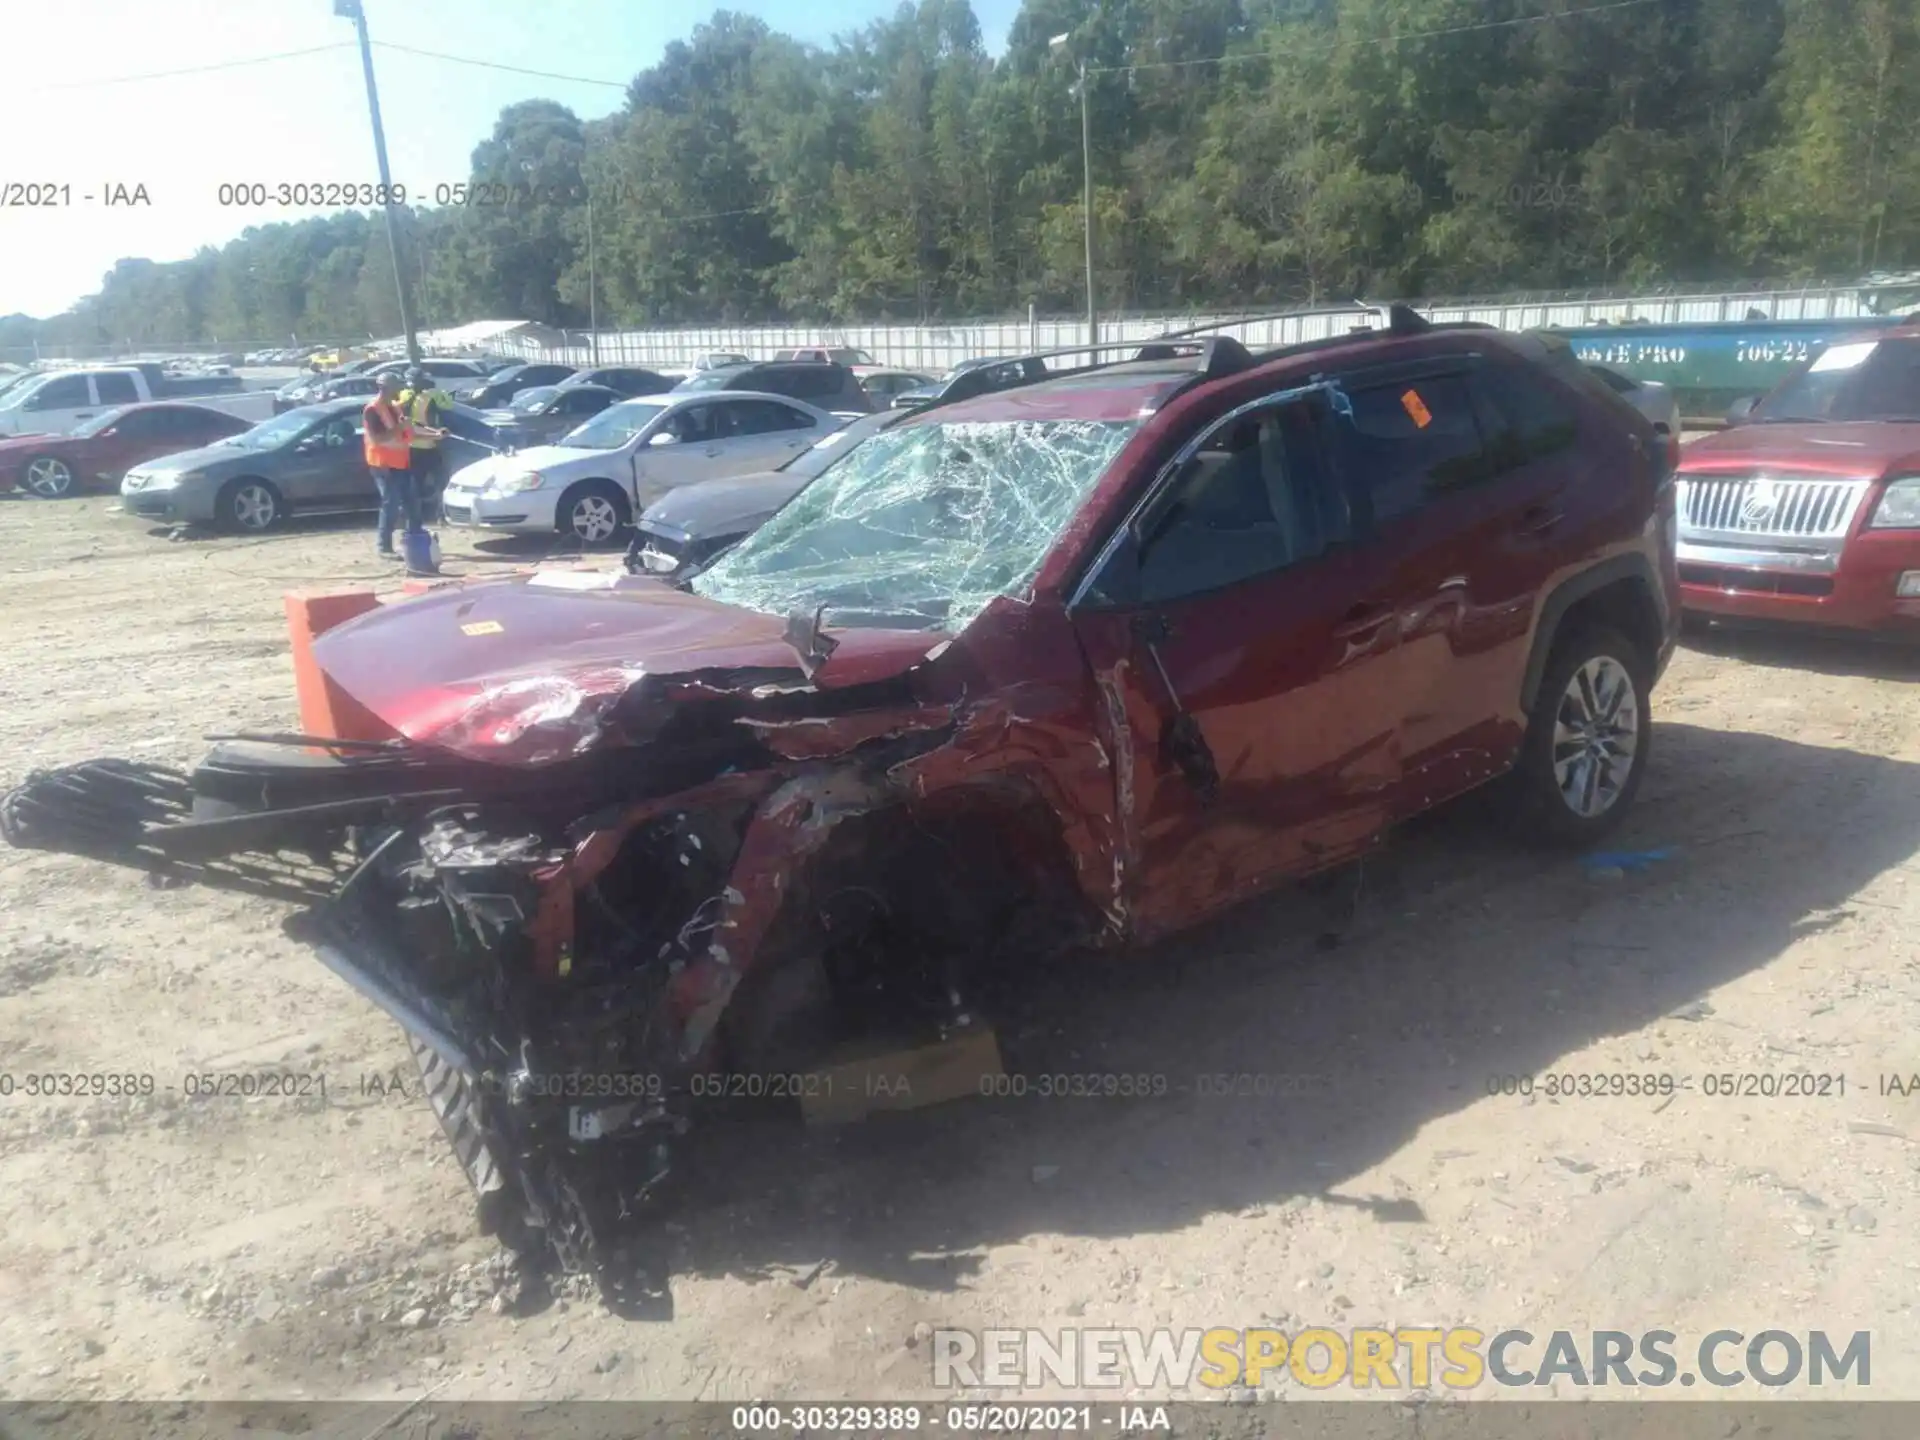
[1362,620]
[712,451]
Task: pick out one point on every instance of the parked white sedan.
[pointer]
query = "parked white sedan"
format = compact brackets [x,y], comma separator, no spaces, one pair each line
[595,479]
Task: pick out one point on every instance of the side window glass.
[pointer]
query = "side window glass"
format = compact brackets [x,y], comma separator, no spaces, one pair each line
[696,423]
[69,392]
[763,417]
[1528,420]
[1411,442]
[116,389]
[1255,498]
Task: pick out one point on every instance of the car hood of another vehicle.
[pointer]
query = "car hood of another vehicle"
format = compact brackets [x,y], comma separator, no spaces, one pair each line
[545,458]
[534,669]
[727,506]
[35,440]
[1856,447]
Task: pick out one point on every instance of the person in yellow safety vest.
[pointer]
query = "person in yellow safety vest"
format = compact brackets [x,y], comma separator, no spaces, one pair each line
[425,405]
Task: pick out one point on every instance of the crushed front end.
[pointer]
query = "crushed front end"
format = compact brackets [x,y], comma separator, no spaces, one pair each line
[559,933]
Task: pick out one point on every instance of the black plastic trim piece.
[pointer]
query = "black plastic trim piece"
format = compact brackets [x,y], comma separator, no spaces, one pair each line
[1570,593]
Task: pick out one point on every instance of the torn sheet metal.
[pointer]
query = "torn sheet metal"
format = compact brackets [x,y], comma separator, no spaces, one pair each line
[824,736]
[789,828]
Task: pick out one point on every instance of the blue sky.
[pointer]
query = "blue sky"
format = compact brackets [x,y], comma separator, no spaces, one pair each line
[296,119]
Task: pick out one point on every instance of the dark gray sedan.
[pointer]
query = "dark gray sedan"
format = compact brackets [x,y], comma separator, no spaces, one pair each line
[688,526]
[308,459]
[541,415]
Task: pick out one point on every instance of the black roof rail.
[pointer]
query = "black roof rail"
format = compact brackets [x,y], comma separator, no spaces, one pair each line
[1188,334]
[1218,355]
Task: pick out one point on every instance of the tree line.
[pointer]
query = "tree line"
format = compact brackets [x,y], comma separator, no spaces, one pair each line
[1243,153]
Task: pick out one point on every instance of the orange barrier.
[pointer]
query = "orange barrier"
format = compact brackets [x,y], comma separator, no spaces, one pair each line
[325,709]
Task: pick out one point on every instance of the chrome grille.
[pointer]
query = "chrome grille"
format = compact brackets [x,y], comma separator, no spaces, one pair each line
[1770,505]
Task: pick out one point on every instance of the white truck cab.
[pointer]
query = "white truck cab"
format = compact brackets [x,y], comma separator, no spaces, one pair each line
[61,400]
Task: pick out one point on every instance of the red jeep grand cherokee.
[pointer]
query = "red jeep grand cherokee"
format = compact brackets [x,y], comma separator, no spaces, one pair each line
[1808,509]
[1074,664]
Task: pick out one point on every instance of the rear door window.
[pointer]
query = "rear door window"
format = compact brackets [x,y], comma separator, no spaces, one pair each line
[116,389]
[809,382]
[1526,417]
[764,417]
[1410,442]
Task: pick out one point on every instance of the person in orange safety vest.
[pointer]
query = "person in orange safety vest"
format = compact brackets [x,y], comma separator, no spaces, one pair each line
[389,441]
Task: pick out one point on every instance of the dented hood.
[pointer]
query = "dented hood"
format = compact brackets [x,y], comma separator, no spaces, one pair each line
[527,670]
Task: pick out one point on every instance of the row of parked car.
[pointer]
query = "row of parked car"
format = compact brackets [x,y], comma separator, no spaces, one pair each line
[538,398]
[1807,508]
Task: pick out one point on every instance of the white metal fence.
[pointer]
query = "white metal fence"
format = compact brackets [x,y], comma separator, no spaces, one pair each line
[935,346]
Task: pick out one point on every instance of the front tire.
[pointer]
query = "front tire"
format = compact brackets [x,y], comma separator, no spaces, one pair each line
[251,507]
[593,512]
[1588,738]
[49,477]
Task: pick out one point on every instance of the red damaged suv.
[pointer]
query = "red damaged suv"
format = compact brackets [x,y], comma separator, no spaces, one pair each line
[1077,663]
[1808,508]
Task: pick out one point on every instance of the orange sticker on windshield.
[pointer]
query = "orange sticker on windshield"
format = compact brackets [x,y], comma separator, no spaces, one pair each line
[1417,408]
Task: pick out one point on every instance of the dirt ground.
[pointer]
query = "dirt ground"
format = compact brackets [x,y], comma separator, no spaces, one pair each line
[180,1246]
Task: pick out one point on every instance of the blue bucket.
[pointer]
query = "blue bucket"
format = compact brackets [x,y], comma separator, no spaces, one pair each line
[422,552]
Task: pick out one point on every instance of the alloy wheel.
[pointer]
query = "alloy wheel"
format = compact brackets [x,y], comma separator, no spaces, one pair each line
[49,478]
[594,518]
[254,507]
[1596,737]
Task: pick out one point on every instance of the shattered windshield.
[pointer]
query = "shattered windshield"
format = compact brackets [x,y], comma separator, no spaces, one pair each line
[920,527]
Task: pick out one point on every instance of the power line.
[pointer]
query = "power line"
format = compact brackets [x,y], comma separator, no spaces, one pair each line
[496,65]
[191,69]
[1367,40]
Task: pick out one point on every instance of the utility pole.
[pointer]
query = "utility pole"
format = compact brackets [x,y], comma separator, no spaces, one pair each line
[593,291]
[352,10]
[1086,176]
[1086,171]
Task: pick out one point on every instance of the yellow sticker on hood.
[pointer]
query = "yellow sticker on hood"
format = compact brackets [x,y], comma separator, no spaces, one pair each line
[483,627]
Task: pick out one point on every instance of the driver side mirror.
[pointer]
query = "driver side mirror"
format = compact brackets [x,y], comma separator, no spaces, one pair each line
[1741,410]
[664,437]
